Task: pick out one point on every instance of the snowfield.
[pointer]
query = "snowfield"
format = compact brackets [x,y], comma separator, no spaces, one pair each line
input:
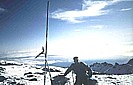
[29,75]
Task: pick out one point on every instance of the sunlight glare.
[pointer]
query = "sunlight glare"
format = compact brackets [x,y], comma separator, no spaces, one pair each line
[93,46]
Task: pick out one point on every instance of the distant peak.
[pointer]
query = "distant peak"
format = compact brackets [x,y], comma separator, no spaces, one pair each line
[130,61]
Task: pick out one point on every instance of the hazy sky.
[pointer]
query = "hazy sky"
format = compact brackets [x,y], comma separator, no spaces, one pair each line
[94,29]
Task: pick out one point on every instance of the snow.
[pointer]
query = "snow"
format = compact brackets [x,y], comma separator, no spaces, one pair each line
[114,79]
[20,73]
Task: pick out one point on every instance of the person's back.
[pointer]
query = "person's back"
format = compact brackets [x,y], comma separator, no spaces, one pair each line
[82,71]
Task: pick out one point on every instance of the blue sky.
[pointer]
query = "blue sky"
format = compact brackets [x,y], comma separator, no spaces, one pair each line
[92,29]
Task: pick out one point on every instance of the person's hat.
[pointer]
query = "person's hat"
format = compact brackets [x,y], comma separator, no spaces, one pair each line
[75,57]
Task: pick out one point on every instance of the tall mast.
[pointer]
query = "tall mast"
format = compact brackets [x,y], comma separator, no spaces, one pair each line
[47,25]
[46,43]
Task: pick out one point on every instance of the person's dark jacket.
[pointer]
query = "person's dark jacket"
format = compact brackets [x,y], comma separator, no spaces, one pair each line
[80,69]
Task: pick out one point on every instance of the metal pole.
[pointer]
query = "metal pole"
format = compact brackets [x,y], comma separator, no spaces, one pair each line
[47,24]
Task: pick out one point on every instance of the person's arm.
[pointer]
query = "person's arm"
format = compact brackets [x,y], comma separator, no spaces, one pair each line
[68,70]
[88,69]
[89,72]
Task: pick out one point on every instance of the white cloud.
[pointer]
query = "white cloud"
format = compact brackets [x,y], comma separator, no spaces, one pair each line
[97,26]
[72,16]
[90,8]
[77,30]
[25,53]
[76,16]
[126,9]
[2,9]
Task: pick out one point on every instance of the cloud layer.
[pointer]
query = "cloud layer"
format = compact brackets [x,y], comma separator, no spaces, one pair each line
[90,8]
[2,10]
[126,9]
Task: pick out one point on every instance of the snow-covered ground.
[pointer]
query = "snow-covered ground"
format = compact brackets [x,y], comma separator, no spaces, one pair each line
[114,79]
[24,74]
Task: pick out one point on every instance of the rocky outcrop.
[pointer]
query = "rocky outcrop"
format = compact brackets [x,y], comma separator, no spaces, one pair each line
[2,70]
[120,69]
[106,68]
[101,67]
[2,78]
[59,80]
[5,63]
[51,70]
[130,62]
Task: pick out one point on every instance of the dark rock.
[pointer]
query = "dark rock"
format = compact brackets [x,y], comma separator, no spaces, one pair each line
[33,79]
[13,83]
[7,64]
[113,83]
[130,62]
[111,78]
[27,73]
[20,84]
[51,70]
[118,69]
[2,78]
[101,67]
[59,80]
[30,75]
[2,69]
[116,64]
[39,73]
[92,82]
[57,70]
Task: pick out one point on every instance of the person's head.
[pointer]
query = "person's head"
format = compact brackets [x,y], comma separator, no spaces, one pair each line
[75,59]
